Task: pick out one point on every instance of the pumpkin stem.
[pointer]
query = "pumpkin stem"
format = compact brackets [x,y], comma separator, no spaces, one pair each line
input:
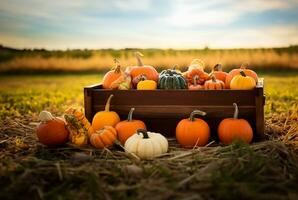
[118,67]
[195,79]
[129,117]
[242,73]
[236,112]
[138,56]
[107,108]
[144,132]
[196,112]
[213,78]
[217,67]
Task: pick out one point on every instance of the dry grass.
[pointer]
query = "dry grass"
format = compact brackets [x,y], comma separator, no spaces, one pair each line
[258,58]
[263,170]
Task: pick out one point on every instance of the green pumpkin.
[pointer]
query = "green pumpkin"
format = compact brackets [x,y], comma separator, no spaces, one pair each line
[170,79]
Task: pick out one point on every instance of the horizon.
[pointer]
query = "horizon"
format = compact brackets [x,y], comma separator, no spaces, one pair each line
[148,24]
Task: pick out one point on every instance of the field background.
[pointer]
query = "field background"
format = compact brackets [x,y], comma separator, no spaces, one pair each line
[32,81]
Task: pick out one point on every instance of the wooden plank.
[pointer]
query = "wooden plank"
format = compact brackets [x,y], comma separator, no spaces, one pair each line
[178,111]
[260,121]
[183,97]
[88,103]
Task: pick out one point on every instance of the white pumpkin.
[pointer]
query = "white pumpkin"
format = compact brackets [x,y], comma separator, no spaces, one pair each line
[146,144]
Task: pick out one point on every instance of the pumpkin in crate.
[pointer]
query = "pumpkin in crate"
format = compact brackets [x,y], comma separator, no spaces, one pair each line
[192,132]
[106,117]
[242,82]
[51,131]
[218,73]
[197,75]
[128,127]
[149,71]
[111,76]
[195,85]
[232,129]
[171,79]
[235,72]
[104,138]
[196,64]
[214,84]
[146,145]
[145,84]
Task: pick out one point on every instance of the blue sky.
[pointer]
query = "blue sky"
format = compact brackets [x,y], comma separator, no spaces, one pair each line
[148,23]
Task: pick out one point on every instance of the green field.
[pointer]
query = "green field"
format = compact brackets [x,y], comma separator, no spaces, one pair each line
[266,170]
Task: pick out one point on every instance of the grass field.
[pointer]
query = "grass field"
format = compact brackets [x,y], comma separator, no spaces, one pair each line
[265,170]
[26,61]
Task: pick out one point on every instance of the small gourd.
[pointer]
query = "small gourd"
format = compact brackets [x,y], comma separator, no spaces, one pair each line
[104,138]
[193,132]
[106,117]
[146,145]
[195,85]
[242,82]
[52,130]
[111,76]
[128,127]
[145,84]
[214,84]
[231,129]
[218,73]
[171,79]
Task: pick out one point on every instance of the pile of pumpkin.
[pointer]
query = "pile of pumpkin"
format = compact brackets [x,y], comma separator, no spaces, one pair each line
[107,129]
[145,77]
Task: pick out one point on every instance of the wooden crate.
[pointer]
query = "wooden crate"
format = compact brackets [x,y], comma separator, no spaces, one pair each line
[161,110]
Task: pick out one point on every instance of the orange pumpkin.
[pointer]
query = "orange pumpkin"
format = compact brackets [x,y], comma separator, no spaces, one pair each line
[111,76]
[195,85]
[149,71]
[218,73]
[193,131]
[105,137]
[51,131]
[201,76]
[128,127]
[214,84]
[235,72]
[231,129]
[105,118]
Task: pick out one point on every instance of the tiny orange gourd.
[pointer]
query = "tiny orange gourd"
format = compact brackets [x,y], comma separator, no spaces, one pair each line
[195,85]
[106,117]
[214,84]
[231,129]
[111,76]
[103,138]
[193,132]
[218,73]
[128,127]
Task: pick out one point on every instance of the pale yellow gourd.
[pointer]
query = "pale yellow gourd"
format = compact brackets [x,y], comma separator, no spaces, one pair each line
[242,82]
[146,145]
[147,85]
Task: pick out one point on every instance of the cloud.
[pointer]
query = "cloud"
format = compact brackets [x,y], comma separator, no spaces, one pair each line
[188,13]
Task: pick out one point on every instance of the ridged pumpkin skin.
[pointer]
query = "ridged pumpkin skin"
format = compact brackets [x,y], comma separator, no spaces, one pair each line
[111,76]
[219,74]
[214,84]
[128,127]
[105,118]
[52,133]
[242,82]
[104,137]
[171,79]
[235,72]
[146,145]
[193,131]
[232,129]
[147,85]
[149,71]
[199,74]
